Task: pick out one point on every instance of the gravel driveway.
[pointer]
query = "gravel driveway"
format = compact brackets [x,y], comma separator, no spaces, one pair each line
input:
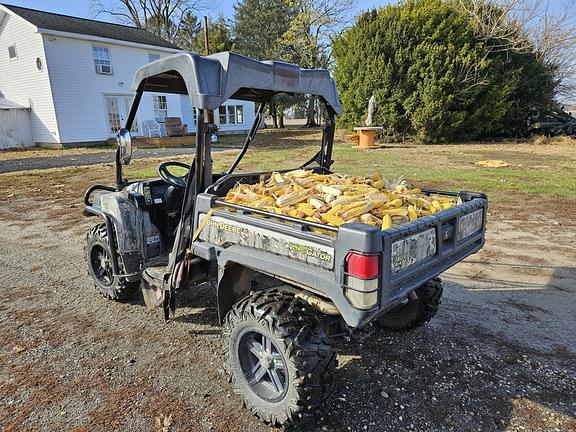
[107,156]
[499,356]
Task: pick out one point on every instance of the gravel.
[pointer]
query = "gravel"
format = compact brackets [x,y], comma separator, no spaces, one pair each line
[499,356]
[107,156]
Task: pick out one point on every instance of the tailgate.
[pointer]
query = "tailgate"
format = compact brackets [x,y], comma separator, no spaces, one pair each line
[421,250]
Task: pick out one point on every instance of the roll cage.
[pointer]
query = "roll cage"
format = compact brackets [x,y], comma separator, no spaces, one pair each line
[211,80]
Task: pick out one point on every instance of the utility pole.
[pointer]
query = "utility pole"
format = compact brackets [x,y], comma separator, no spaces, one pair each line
[206,43]
[209,113]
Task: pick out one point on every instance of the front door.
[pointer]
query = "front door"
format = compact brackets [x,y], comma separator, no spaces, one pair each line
[117,108]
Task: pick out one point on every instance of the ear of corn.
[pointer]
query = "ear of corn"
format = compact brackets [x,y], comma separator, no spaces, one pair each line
[305,208]
[412,215]
[316,202]
[386,222]
[330,190]
[293,198]
[370,219]
[335,199]
[332,219]
[365,207]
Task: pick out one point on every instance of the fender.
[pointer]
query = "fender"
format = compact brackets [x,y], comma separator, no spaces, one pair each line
[124,226]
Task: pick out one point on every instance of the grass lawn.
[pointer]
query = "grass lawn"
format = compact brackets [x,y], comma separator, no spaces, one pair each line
[540,180]
[546,170]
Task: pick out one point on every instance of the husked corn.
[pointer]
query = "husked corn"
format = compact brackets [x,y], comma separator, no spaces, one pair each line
[386,222]
[330,190]
[365,207]
[335,199]
[293,198]
[316,202]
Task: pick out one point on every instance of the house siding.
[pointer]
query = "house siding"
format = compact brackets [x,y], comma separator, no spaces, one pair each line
[79,92]
[22,82]
[249,116]
[68,97]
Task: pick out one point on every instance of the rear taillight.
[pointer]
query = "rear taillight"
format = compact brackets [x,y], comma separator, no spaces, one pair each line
[363,266]
[362,279]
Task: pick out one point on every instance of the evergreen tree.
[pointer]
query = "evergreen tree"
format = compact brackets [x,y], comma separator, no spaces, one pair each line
[432,77]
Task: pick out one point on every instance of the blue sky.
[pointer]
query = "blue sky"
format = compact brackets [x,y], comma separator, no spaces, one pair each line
[81,8]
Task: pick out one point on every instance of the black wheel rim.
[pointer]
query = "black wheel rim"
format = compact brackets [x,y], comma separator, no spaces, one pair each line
[263,365]
[101,265]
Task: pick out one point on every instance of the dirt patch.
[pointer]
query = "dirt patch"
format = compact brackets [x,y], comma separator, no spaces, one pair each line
[499,356]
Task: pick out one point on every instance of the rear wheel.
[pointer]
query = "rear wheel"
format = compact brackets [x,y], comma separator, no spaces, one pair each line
[417,312]
[99,260]
[276,357]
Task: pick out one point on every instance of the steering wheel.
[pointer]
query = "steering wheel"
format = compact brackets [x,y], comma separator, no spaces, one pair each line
[172,179]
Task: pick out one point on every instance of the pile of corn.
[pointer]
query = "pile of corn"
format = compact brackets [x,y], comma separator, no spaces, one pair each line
[336,199]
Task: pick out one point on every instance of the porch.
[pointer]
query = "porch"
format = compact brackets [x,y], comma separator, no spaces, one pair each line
[180,141]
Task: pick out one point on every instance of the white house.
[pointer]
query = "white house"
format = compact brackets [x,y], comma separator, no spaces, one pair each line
[72,76]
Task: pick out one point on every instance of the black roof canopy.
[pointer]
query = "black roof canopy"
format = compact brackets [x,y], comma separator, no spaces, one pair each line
[83,26]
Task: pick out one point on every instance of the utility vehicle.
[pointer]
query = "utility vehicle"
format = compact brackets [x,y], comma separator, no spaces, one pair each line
[280,284]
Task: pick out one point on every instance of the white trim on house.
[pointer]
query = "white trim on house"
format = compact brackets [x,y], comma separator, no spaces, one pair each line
[105,40]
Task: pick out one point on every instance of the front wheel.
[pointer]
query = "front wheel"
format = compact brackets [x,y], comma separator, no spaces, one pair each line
[417,312]
[99,261]
[276,357]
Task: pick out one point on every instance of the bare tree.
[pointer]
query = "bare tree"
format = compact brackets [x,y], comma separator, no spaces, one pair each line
[162,17]
[308,41]
[547,28]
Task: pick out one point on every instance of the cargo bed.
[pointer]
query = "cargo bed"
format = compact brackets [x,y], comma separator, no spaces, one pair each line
[286,247]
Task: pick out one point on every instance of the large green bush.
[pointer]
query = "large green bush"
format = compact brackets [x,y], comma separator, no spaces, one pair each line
[432,77]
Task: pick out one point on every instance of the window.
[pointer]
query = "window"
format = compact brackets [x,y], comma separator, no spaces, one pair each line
[160,108]
[231,114]
[12,52]
[153,57]
[102,60]
[222,115]
[239,114]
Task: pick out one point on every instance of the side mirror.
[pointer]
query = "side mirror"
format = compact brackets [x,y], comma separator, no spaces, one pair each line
[124,142]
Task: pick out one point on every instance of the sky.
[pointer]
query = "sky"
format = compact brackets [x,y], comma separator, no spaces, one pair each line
[82,8]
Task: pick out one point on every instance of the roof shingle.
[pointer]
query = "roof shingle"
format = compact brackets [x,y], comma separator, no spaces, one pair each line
[69,24]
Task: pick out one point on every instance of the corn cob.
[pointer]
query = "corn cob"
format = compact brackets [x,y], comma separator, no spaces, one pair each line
[412,214]
[370,219]
[293,198]
[332,219]
[395,212]
[386,222]
[394,203]
[330,190]
[305,208]
[345,200]
[335,199]
[328,198]
[316,202]
[365,207]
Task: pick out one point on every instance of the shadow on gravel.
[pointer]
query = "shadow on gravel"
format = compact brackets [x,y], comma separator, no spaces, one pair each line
[467,370]
[454,374]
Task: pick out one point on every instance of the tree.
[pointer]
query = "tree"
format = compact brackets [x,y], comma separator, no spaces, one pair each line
[544,27]
[258,29]
[191,34]
[307,41]
[259,26]
[433,77]
[161,17]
